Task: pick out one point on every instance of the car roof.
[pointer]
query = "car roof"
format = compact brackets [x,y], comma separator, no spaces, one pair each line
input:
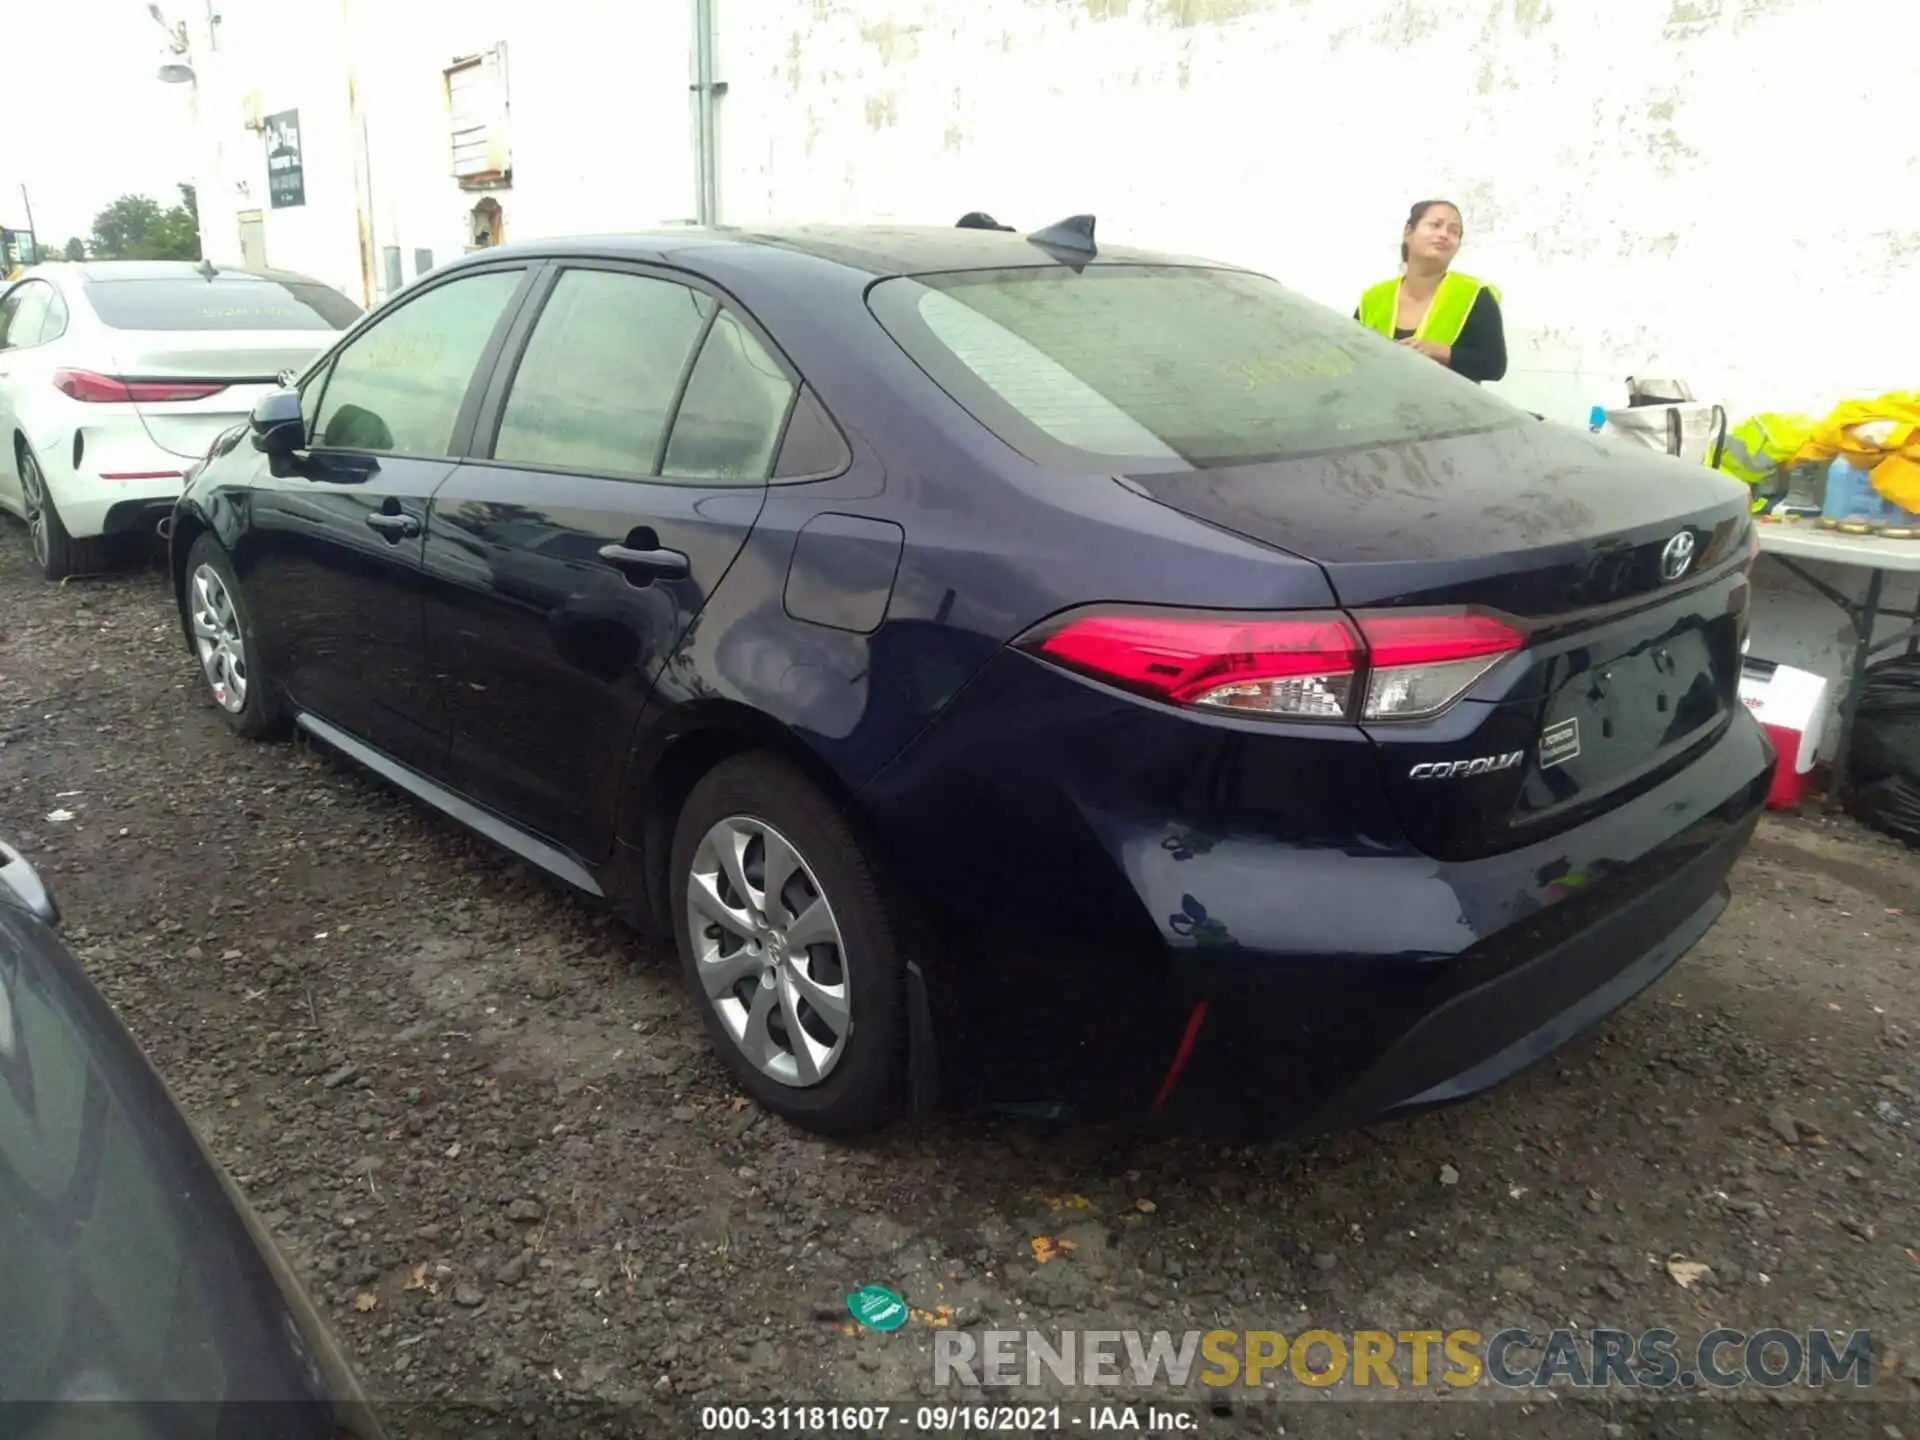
[879,251]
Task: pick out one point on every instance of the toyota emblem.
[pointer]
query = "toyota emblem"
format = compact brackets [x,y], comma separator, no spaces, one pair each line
[1677,558]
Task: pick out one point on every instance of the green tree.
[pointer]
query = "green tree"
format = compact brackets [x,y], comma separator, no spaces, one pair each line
[177,237]
[76,249]
[124,226]
[134,227]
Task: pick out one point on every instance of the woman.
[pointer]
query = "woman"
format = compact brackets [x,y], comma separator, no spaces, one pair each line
[1449,317]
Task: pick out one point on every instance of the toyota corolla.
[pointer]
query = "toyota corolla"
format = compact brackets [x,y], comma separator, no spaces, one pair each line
[1006,666]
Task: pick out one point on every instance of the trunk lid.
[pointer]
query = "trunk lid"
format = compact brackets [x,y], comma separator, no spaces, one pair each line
[1623,567]
[245,364]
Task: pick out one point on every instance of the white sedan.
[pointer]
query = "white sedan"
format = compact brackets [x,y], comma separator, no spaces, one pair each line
[116,376]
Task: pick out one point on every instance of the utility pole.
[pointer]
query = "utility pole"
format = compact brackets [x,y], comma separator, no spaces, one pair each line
[707,90]
[362,166]
[30,230]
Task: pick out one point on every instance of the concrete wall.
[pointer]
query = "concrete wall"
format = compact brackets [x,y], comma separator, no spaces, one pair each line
[1655,184]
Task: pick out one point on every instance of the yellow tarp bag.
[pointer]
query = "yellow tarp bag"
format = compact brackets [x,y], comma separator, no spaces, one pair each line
[1881,437]
[1761,444]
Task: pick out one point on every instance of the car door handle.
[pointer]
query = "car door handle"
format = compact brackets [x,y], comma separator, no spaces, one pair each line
[394,527]
[654,564]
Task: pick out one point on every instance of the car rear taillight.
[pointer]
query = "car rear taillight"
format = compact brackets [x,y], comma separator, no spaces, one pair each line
[1418,665]
[95,389]
[1317,666]
[1303,666]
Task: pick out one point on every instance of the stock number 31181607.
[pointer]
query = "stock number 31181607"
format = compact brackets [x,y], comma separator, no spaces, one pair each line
[881,1419]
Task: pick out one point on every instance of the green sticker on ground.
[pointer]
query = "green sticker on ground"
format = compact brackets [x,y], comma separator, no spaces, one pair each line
[877,1307]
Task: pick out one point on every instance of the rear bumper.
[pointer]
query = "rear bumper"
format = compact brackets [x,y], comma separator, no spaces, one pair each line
[1477,1020]
[92,506]
[143,517]
[108,477]
[1140,928]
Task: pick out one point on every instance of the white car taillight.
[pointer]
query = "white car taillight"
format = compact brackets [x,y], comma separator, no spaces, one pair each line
[92,389]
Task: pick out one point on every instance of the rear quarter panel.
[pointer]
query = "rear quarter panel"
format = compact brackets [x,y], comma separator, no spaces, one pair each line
[993,544]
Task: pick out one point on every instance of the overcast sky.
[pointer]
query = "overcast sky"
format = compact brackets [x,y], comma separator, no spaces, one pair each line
[84,120]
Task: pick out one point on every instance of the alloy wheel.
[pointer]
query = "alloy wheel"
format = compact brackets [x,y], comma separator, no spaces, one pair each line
[33,492]
[217,638]
[768,951]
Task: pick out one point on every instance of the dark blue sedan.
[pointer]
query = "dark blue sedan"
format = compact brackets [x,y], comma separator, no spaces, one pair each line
[1007,667]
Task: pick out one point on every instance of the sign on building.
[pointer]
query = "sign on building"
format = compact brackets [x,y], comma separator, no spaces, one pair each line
[286,175]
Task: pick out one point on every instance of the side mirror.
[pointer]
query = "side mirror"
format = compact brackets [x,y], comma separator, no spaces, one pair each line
[19,878]
[277,425]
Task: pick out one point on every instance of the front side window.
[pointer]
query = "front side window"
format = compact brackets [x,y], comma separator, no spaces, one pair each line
[597,382]
[310,394]
[398,388]
[1169,367]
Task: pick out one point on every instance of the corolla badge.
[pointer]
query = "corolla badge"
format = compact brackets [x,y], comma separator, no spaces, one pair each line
[1677,558]
[1479,765]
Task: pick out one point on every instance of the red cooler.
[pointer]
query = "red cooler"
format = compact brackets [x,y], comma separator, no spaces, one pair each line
[1791,706]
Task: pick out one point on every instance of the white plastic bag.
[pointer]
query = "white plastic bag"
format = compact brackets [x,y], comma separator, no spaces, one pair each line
[1691,431]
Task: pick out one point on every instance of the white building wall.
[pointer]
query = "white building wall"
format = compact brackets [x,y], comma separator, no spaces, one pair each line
[1660,187]
[252,51]
[601,126]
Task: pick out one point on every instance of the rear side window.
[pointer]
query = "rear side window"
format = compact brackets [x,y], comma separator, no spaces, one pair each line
[1168,367]
[598,379]
[55,325]
[730,418]
[397,388]
[230,303]
[813,445]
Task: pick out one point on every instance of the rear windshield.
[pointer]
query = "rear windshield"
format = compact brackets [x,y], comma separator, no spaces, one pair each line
[1169,367]
[228,304]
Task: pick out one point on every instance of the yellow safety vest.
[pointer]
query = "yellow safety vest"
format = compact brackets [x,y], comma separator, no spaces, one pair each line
[1446,317]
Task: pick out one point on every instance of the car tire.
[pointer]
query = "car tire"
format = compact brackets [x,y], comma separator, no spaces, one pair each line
[848,957]
[226,644]
[55,551]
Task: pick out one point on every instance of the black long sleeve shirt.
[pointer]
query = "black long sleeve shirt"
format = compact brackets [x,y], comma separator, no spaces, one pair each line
[1480,354]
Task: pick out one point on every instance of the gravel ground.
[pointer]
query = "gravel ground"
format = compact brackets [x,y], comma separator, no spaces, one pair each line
[485,1126]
